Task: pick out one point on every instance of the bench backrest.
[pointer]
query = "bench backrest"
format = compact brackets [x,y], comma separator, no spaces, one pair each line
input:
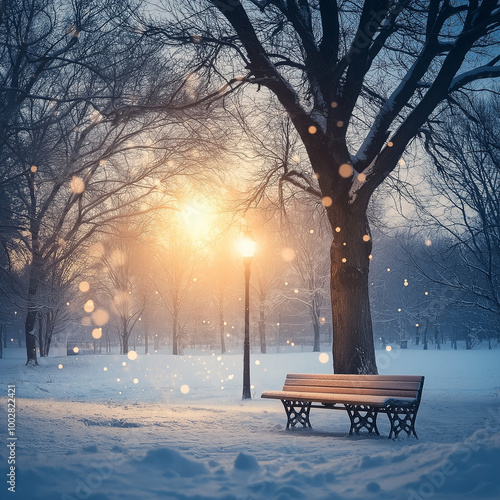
[405,386]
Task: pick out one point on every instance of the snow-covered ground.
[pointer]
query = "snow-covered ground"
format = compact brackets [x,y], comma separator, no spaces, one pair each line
[165,427]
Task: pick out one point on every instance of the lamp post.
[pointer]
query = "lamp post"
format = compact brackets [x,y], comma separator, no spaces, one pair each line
[247,252]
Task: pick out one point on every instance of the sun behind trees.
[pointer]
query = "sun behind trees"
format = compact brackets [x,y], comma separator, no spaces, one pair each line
[72,160]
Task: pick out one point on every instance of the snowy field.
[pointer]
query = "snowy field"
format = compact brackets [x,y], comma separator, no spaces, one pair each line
[164,427]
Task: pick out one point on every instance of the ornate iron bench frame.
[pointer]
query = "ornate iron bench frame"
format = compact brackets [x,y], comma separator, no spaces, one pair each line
[401,411]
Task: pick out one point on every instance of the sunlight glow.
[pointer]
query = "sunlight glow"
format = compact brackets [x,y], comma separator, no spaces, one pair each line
[198,219]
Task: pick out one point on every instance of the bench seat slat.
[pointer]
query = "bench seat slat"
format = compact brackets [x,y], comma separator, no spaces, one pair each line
[396,378]
[395,393]
[318,397]
[407,386]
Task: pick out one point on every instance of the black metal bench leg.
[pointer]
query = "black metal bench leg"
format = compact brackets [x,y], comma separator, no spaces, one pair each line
[297,412]
[402,418]
[362,416]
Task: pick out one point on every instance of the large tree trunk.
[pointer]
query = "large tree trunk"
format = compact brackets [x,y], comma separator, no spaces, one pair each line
[353,346]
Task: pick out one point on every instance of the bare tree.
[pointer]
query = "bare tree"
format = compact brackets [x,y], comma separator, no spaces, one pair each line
[466,152]
[221,282]
[306,249]
[72,159]
[121,280]
[267,284]
[55,292]
[359,82]
[179,259]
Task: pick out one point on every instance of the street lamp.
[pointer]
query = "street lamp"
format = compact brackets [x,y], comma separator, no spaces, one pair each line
[247,248]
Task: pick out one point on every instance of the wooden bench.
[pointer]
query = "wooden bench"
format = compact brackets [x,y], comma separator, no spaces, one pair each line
[363,396]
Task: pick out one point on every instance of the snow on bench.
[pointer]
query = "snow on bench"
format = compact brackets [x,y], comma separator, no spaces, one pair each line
[362,396]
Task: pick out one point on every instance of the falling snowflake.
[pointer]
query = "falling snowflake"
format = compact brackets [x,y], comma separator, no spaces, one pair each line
[77,185]
[345,170]
[100,317]
[323,357]
[88,306]
[326,201]
[97,333]
[288,254]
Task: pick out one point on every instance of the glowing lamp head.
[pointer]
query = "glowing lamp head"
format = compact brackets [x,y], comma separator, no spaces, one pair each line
[247,245]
